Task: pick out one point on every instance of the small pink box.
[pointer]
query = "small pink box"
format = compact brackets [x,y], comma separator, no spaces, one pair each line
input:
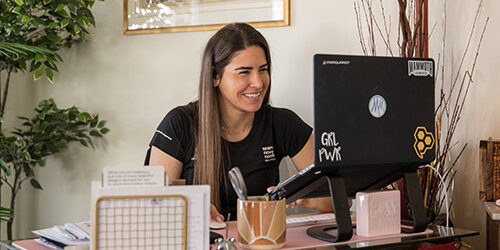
[378,213]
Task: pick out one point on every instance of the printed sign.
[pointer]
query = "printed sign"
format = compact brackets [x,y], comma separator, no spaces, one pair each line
[134,177]
[423,141]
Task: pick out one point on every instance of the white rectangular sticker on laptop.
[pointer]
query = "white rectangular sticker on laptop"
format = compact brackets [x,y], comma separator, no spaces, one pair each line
[420,68]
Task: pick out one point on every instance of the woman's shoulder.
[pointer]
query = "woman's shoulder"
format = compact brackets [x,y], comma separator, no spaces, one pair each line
[278,112]
[188,111]
[284,117]
[181,116]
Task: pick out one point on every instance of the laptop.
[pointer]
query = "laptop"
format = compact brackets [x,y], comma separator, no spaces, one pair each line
[373,121]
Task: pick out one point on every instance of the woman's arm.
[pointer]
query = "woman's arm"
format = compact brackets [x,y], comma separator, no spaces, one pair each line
[305,157]
[173,167]
[302,160]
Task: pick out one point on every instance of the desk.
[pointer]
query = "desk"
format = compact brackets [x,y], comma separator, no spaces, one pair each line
[297,238]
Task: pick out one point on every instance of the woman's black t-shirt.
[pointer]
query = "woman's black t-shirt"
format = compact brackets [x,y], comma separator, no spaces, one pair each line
[276,133]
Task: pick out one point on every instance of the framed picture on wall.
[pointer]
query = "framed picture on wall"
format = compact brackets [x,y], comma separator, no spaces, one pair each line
[158,16]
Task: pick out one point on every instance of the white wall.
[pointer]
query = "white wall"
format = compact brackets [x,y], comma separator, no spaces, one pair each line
[132,81]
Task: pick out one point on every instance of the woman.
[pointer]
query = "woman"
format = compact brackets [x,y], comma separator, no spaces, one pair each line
[232,124]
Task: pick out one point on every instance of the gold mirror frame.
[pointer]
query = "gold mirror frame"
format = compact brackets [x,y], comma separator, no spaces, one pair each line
[215,26]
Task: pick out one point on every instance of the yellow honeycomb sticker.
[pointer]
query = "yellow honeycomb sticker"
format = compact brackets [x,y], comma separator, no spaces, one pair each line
[423,141]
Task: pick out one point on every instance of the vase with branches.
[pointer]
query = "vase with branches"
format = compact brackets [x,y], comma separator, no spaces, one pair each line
[31,32]
[437,179]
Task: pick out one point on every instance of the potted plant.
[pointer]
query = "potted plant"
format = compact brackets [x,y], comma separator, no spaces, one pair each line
[31,32]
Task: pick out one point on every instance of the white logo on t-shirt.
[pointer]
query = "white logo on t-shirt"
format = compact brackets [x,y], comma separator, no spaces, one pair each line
[268,153]
[164,135]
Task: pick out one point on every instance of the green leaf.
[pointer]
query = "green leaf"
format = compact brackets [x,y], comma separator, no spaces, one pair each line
[35,184]
[5,168]
[91,144]
[94,121]
[38,58]
[81,117]
[22,65]
[101,124]
[27,155]
[3,164]
[17,30]
[87,115]
[83,142]
[20,143]
[62,13]
[19,2]
[26,19]
[17,10]
[53,25]
[59,57]
[104,131]
[59,7]
[41,116]
[6,214]
[51,63]
[38,73]
[47,1]
[64,23]
[50,75]
[41,163]
[72,8]
[95,133]
[76,29]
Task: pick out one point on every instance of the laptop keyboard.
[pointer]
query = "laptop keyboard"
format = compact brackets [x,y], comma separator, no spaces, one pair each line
[310,219]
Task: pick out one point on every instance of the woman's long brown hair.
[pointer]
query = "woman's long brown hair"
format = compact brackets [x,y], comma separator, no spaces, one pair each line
[212,156]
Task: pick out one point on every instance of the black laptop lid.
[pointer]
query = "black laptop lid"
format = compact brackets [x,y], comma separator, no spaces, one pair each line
[373,111]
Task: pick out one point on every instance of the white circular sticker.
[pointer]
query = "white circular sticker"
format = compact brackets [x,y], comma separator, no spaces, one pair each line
[377,106]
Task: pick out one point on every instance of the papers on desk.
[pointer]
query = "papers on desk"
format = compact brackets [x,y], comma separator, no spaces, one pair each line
[70,234]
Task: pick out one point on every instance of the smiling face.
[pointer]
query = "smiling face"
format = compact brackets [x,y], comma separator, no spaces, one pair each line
[244,82]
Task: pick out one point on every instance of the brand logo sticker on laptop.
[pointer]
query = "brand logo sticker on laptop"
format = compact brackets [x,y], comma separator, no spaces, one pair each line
[420,68]
[335,62]
[423,141]
[377,106]
[331,148]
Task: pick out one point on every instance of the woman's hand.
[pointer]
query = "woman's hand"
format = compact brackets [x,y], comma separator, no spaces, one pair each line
[324,204]
[319,204]
[215,215]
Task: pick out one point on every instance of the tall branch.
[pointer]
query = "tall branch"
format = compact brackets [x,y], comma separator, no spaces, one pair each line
[6,90]
[405,27]
[360,28]
[466,47]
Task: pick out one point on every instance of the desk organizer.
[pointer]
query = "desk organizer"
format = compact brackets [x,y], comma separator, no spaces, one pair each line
[378,213]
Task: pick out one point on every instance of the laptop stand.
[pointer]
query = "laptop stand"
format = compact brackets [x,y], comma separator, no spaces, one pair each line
[342,213]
